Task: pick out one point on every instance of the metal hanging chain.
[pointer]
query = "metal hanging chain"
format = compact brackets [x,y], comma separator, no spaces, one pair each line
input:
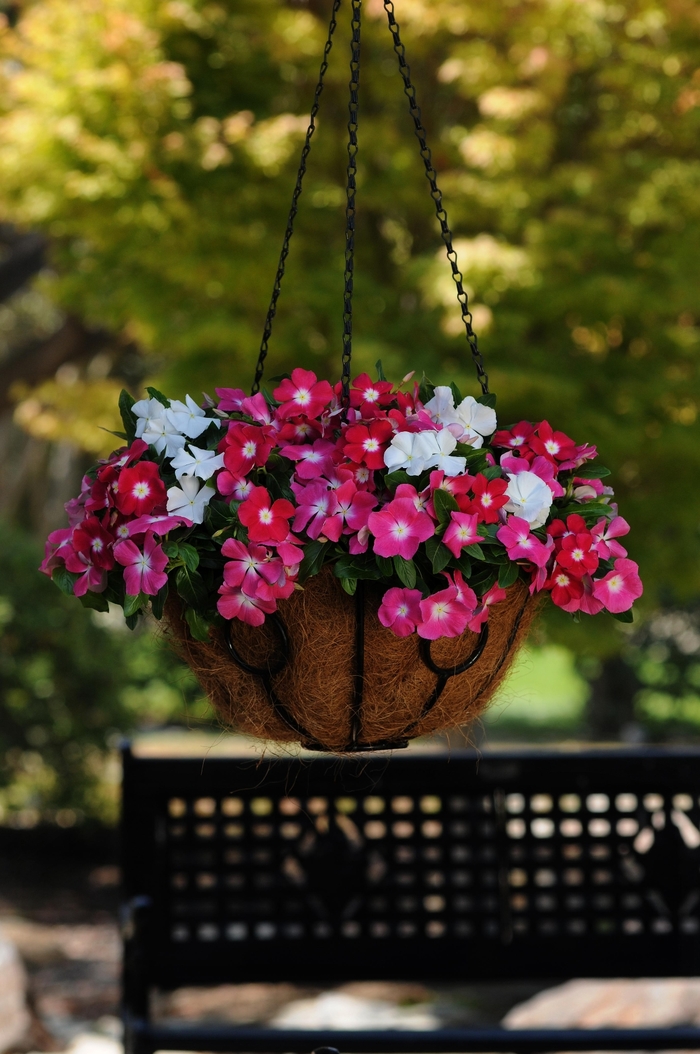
[348,276]
[436,195]
[260,366]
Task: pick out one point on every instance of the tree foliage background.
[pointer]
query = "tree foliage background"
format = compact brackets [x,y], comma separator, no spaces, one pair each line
[155,143]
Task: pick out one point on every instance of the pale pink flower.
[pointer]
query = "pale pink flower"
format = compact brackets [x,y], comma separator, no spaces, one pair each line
[461,531]
[315,504]
[520,543]
[400,610]
[605,532]
[399,529]
[443,615]
[143,571]
[234,603]
[619,589]
[251,568]
[313,459]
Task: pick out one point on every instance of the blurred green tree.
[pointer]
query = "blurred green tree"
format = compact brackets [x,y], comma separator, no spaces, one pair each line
[155,142]
[70,684]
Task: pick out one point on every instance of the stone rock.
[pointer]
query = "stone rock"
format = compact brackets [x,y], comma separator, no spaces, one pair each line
[14,1016]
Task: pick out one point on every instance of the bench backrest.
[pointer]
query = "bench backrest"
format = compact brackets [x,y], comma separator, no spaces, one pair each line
[530,865]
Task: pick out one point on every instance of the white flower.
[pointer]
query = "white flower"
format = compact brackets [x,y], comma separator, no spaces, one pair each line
[442,444]
[146,410]
[529,497]
[202,463]
[477,420]
[441,407]
[159,433]
[189,418]
[188,500]
[410,451]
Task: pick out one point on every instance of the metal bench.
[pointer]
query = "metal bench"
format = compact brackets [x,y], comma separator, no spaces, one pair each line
[530,865]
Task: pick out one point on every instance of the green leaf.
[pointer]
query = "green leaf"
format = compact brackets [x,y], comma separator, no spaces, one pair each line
[155,394]
[126,401]
[359,566]
[426,390]
[65,580]
[475,551]
[190,586]
[394,479]
[158,601]
[591,472]
[385,565]
[623,616]
[456,394]
[587,509]
[350,584]
[441,558]
[220,515]
[465,565]
[94,601]
[380,370]
[171,549]
[199,627]
[189,555]
[492,472]
[132,621]
[444,504]
[487,400]
[508,574]
[406,571]
[312,563]
[133,604]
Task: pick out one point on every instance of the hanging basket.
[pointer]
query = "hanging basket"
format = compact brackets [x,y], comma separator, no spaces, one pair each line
[325,671]
[352,566]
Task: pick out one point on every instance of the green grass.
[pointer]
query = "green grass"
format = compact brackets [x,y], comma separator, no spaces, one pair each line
[542,691]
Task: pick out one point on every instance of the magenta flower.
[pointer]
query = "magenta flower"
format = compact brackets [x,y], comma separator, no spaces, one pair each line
[290,551]
[315,505]
[462,531]
[160,525]
[604,535]
[353,507]
[520,543]
[465,593]
[230,398]
[313,459]
[234,603]
[620,587]
[302,394]
[400,610]
[57,547]
[143,571]
[494,596]
[250,567]
[91,577]
[443,615]
[399,529]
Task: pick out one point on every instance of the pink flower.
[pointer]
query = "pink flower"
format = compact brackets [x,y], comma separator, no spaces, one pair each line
[255,406]
[58,545]
[267,521]
[399,529]
[302,394]
[489,496]
[75,508]
[140,489]
[250,567]
[620,587]
[550,444]
[230,399]
[400,610]
[233,486]
[423,501]
[604,535]
[290,551]
[127,455]
[313,459]
[577,554]
[462,531]
[143,571]
[520,543]
[160,525]
[465,593]
[359,542]
[581,453]
[234,603]
[443,615]
[352,511]
[494,596]
[91,577]
[589,604]
[299,430]
[516,437]
[316,503]
[93,541]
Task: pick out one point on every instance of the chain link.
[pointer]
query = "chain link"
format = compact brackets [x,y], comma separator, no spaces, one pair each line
[436,195]
[260,366]
[353,116]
